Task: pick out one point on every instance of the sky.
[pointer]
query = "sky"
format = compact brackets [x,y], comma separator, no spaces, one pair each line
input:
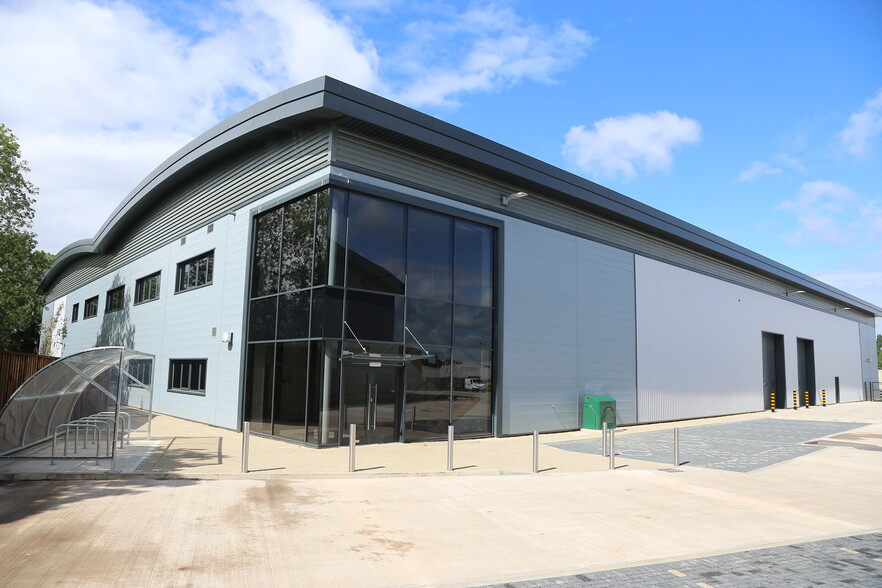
[758,121]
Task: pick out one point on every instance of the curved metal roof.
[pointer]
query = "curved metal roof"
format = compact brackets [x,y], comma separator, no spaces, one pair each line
[326,99]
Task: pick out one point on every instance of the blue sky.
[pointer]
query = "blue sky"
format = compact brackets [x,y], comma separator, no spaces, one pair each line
[757,121]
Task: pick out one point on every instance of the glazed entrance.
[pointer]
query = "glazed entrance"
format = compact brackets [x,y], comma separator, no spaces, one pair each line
[371,312]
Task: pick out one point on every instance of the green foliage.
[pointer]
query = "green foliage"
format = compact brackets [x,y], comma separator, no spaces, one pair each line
[21,264]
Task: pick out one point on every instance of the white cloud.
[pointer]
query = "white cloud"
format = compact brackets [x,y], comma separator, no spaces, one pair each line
[866,285]
[486,48]
[105,91]
[619,146]
[758,169]
[761,169]
[863,127]
[825,212]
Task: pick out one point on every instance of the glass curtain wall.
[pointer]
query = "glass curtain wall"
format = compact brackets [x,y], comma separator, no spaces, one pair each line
[338,277]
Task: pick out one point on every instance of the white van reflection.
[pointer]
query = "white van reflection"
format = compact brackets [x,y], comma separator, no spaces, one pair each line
[475,384]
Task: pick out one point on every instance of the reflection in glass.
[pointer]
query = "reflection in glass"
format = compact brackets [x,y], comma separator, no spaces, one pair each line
[427,408]
[329,413]
[320,267]
[290,398]
[294,315]
[429,255]
[262,319]
[337,239]
[378,317]
[473,272]
[472,393]
[472,326]
[259,387]
[297,240]
[327,313]
[376,245]
[429,321]
[265,273]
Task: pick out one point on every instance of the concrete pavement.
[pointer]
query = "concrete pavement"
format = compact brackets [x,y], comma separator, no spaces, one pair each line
[300,519]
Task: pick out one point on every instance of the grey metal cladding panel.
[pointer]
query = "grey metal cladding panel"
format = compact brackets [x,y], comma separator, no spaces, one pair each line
[607,326]
[197,203]
[539,334]
[374,156]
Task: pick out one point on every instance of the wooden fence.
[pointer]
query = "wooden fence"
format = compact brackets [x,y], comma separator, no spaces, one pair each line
[15,368]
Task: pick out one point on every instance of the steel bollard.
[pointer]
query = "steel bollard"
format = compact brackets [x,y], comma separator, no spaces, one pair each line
[823,398]
[449,448]
[612,449]
[535,451]
[246,435]
[677,447]
[806,398]
[352,442]
[773,401]
[603,452]
[795,400]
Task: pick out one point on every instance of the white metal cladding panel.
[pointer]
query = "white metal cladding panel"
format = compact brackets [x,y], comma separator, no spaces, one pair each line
[607,327]
[229,187]
[699,350]
[370,154]
[568,328]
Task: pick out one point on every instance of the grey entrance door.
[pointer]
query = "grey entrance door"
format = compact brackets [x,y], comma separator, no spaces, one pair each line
[371,402]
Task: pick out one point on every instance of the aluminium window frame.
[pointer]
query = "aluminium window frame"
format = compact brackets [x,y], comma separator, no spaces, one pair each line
[176,367]
[183,268]
[139,287]
[87,305]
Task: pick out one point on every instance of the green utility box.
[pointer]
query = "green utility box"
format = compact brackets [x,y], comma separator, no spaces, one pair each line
[598,409]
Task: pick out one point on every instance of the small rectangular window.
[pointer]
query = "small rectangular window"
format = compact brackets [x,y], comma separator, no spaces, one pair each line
[195,272]
[75,313]
[147,288]
[142,372]
[115,299]
[187,376]
[90,308]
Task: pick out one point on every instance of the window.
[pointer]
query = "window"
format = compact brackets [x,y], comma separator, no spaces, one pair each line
[187,376]
[115,299]
[142,371]
[147,288]
[195,272]
[75,313]
[90,307]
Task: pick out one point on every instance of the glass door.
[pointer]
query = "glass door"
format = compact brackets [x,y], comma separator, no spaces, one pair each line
[371,403]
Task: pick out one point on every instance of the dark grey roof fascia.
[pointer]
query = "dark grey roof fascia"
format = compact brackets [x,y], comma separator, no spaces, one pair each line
[326,98]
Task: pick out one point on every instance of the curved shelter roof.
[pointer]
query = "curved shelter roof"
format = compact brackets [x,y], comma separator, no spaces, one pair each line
[326,99]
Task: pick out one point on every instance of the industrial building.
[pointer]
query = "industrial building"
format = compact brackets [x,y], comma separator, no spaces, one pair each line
[328,257]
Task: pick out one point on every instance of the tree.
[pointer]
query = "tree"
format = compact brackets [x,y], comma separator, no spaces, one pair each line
[21,264]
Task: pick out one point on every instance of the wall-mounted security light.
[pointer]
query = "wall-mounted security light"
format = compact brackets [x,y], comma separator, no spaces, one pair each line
[835,309]
[789,292]
[227,337]
[506,198]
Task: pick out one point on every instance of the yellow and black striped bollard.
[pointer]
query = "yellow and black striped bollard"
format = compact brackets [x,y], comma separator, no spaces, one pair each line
[795,400]
[806,398]
[823,398]
[772,394]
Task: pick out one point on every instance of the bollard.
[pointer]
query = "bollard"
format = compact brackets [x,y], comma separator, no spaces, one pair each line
[795,400]
[676,447]
[612,449]
[352,442]
[823,398]
[603,452]
[246,434]
[806,398]
[773,401]
[450,448]
[535,451]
